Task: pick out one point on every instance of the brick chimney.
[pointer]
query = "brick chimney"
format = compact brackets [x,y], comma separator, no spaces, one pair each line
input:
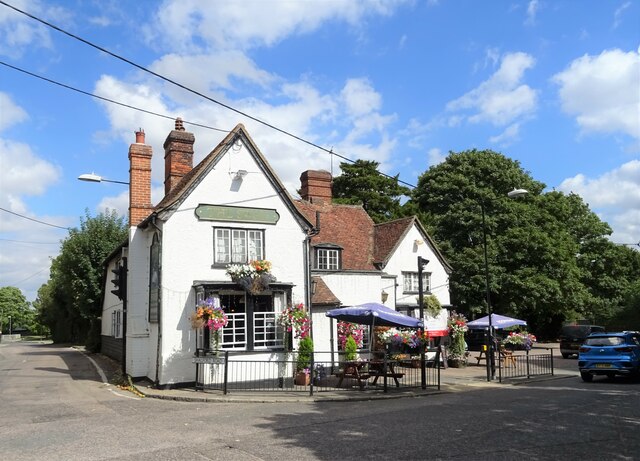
[178,156]
[316,186]
[139,180]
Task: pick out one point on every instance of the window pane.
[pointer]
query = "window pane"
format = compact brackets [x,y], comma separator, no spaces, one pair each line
[239,246]
[327,259]
[255,245]
[222,246]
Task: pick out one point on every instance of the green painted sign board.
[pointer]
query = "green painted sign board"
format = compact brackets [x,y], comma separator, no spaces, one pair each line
[237,214]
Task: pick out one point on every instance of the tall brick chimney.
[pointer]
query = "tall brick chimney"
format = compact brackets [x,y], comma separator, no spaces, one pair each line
[139,180]
[178,155]
[316,186]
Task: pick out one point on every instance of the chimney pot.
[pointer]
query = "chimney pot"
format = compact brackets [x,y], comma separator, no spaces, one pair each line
[140,136]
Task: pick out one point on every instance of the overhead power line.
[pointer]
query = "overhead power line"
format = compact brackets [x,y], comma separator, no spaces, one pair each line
[34,220]
[190,90]
[112,101]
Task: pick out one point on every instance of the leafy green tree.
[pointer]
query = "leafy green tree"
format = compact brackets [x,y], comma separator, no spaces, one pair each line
[70,303]
[362,183]
[15,305]
[549,258]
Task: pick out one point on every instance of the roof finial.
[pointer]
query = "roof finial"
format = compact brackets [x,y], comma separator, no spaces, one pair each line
[179,125]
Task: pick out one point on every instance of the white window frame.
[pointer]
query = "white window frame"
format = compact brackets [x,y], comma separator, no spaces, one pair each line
[237,246]
[328,259]
[410,282]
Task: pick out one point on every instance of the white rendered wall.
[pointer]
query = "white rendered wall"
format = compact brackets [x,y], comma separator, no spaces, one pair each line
[187,252]
[405,258]
[110,303]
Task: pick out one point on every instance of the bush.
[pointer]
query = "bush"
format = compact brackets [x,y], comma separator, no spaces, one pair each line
[350,349]
[305,351]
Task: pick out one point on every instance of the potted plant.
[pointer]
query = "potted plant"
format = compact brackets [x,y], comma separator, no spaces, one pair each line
[350,349]
[303,364]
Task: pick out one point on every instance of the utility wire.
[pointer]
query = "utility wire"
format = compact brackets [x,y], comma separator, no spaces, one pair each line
[179,85]
[30,243]
[93,95]
[35,220]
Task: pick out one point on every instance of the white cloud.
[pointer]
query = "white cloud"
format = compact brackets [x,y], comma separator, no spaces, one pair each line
[360,98]
[532,10]
[615,195]
[617,15]
[194,71]
[11,113]
[507,136]
[19,33]
[191,25]
[22,172]
[502,99]
[602,92]
[435,156]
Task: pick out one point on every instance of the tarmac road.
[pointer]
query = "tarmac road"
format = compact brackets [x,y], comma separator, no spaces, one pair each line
[55,406]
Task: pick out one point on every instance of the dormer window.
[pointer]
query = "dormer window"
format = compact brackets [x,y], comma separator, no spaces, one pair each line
[328,257]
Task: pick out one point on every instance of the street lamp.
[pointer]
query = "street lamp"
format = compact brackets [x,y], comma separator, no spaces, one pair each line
[423,372]
[92,177]
[491,365]
[10,330]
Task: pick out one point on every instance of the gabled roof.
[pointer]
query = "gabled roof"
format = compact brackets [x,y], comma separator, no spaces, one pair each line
[189,181]
[348,226]
[389,235]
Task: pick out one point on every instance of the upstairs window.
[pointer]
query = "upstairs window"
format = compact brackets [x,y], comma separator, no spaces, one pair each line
[410,282]
[237,246]
[328,259]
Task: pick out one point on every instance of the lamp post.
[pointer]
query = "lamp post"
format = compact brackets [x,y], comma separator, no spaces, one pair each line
[10,330]
[423,372]
[92,177]
[491,364]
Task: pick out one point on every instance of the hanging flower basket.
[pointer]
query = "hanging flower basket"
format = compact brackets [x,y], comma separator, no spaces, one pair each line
[254,277]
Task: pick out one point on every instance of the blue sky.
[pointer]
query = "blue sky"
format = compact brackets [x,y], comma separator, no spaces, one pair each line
[552,84]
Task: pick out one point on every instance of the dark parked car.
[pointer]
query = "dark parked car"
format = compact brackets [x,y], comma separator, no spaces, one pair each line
[610,354]
[572,337]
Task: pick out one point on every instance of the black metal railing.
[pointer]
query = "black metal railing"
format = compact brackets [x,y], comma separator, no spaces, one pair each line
[529,364]
[327,372]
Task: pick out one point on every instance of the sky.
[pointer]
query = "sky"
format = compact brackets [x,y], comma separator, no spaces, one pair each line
[554,85]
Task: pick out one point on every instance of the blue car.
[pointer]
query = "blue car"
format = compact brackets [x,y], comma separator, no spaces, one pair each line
[610,354]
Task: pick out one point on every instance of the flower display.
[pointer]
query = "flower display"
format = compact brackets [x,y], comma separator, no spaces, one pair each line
[296,319]
[254,277]
[346,329]
[457,324]
[522,339]
[413,339]
[208,314]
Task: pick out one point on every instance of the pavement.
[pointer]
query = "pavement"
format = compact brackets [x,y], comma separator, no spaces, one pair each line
[468,378]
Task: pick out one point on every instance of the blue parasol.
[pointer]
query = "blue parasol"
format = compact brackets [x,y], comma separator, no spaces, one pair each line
[374,314]
[497,321]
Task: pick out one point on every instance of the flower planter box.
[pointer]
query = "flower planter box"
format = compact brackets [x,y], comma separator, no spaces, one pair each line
[302,379]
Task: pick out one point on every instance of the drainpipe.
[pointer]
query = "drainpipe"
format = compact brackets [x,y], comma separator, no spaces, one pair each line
[158,346]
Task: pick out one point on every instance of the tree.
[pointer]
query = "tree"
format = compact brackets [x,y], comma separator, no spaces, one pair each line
[549,259]
[362,183]
[70,302]
[15,305]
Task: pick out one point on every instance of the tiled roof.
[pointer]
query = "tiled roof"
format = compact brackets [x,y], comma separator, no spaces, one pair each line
[388,235]
[323,294]
[348,226]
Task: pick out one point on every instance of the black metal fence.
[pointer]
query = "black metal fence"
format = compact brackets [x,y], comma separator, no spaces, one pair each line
[531,363]
[327,372]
